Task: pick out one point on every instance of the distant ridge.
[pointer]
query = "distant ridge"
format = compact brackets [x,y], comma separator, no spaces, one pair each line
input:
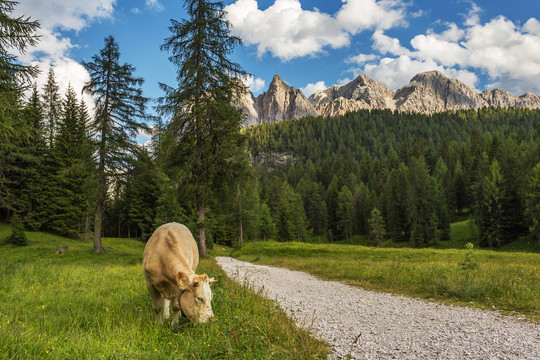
[428,92]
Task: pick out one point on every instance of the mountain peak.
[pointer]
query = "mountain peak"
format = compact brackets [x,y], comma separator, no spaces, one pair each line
[428,92]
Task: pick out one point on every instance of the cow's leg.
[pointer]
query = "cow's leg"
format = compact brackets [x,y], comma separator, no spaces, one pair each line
[175,303]
[166,303]
[157,302]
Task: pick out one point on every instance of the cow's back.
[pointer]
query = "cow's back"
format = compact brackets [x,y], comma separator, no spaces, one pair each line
[170,249]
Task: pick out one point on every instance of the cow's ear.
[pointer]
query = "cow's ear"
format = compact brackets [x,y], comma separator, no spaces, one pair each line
[212,280]
[182,280]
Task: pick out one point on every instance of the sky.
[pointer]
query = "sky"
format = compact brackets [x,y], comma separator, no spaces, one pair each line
[310,44]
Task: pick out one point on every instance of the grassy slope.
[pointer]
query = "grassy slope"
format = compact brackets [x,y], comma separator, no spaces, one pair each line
[503,280]
[82,305]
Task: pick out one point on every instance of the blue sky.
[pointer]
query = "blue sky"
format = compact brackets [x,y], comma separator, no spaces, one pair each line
[311,44]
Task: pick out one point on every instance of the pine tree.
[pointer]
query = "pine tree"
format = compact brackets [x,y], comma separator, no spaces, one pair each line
[376,227]
[17,237]
[490,208]
[68,199]
[51,105]
[120,111]
[144,193]
[345,213]
[267,229]
[533,203]
[204,120]
[17,35]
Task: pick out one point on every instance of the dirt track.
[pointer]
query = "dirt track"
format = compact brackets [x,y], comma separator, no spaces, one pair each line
[387,326]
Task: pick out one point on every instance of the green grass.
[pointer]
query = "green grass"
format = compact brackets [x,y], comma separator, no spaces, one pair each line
[80,305]
[503,280]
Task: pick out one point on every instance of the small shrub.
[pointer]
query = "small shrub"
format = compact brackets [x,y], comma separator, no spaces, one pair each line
[17,236]
[469,263]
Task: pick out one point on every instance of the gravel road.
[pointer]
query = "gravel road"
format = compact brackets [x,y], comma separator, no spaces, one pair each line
[372,325]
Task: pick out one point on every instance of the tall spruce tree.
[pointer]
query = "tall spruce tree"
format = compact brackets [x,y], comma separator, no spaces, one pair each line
[69,156]
[17,35]
[532,210]
[51,105]
[489,210]
[119,116]
[204,121]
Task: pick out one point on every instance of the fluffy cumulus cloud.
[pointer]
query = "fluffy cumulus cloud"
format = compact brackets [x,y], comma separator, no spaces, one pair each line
[507,53]
[154,5]
[287,31]
[254,84]
[310,88]
[53,49]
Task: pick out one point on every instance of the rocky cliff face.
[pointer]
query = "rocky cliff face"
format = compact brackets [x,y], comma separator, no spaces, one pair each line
[361,93]
[248,105]
[431,92]
[427,93]
[282,101]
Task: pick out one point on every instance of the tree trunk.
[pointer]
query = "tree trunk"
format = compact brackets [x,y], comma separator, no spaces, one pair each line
[87,225]
[239,200]
[202,229]
[241,236]
[98,225]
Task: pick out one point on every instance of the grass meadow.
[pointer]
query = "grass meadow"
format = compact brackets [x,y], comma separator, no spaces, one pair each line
[80,305]
[508,281]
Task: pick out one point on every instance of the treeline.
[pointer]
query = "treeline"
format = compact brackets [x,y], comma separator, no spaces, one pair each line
[388,175]
[48,163]
[404,175]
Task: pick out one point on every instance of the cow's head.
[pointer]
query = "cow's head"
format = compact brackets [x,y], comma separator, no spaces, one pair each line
[196,298]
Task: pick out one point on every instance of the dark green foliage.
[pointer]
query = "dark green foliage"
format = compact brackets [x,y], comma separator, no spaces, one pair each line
[120,112]
[290,218]
[70,165]
[376,227]
[51,106]
[437,174]
[267,229]
[17,237]
[490,214]
[16,158]
[345,213]
[207,146]
[18,34]
[144,195]
[533,203]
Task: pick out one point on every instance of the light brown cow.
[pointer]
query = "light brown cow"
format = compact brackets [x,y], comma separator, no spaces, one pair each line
[169,263]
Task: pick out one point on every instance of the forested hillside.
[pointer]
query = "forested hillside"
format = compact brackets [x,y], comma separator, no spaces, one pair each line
[402,177]
[408,175]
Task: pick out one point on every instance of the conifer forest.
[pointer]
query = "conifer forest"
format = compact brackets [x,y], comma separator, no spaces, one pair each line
[75,169]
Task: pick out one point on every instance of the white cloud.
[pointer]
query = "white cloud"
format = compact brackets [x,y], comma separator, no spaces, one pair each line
[66,15]
[53,49]
[310,88]
[154,5]
[253,84]
[361,59]
[135,10]
[508,54]
[473,16]
[287,31]
[385,44]
[397,72]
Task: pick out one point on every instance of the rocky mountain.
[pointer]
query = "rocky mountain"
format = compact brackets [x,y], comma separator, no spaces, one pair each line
[282,101]
[427,93]
[432,92]
[361,93]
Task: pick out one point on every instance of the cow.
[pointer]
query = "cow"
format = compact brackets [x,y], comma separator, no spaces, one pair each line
[169,262]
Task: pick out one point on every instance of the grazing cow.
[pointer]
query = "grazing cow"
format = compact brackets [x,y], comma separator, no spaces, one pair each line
[169,263]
